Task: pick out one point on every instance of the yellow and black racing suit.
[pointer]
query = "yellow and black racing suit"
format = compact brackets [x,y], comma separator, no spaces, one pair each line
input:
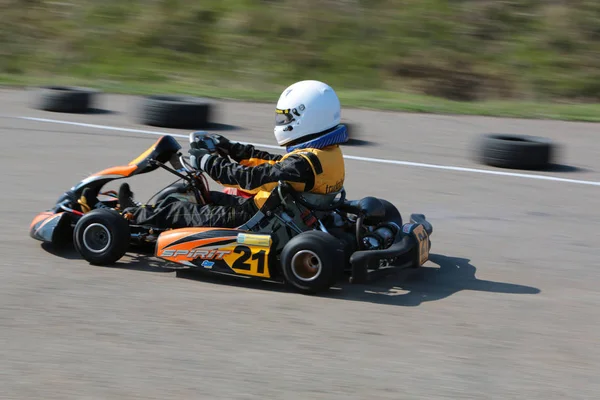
[316,170]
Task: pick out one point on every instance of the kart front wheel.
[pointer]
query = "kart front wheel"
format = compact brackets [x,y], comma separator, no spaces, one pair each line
[313,261]
[102,236]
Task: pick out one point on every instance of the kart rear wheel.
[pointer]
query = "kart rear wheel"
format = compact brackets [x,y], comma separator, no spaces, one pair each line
[313,261]
[102,236]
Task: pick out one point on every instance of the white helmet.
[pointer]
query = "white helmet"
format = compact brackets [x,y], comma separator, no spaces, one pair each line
[306,108]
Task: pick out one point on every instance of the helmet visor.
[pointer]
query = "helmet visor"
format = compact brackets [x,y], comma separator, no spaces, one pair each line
[283,117]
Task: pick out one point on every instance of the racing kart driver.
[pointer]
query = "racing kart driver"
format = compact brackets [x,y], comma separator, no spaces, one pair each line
[307,123]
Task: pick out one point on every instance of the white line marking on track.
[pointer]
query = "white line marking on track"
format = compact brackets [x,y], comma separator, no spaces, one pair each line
[104,127]
[350,157]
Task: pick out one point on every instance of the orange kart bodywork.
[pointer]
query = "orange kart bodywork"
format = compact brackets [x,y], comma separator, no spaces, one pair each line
[56,223]
[162,150]
[223,250]
[51,227]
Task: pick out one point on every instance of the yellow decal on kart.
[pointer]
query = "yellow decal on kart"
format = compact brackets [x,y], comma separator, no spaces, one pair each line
[248,260]
[142,156]
[254,239]
[421,236]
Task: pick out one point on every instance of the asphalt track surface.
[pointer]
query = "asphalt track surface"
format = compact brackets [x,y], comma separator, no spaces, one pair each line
[506,307]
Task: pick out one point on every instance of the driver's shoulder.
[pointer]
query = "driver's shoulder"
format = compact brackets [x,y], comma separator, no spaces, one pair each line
[335,148]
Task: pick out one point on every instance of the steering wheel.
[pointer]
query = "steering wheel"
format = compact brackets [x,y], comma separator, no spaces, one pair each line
[199,139]
[203,140]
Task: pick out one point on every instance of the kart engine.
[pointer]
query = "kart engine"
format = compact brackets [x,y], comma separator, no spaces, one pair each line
[381,237]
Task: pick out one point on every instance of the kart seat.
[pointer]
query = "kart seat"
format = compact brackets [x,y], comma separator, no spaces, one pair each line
[313,201]
[370,207]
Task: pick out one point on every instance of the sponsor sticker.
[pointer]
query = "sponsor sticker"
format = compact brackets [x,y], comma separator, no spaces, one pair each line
[196,253]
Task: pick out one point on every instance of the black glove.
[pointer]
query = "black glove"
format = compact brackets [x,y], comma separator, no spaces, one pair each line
[198,157]
[222,143]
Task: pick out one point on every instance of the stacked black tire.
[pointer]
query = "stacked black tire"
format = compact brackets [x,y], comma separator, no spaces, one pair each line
[179,112]
[515,151]
[186,112]
[166,111]
[64,99]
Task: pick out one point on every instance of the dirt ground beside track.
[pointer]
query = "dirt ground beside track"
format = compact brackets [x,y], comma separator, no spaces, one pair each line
[506,307]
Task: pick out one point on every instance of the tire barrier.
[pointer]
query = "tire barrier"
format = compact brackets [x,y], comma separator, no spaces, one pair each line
[514,151]
[355,134]
[65,99]
[187,112]
[179,112]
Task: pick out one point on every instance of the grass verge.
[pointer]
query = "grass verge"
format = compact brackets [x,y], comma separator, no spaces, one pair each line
[525,58]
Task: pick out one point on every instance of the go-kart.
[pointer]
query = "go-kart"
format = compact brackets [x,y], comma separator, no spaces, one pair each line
[307,240]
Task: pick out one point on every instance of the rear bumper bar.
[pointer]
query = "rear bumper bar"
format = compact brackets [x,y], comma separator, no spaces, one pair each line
[409,250]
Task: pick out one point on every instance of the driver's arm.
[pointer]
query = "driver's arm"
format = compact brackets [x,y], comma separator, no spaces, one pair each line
[265,176]
[244,154]
[249,156]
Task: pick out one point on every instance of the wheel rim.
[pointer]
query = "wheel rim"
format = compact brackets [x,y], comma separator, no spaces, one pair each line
[306,265]
[96,238]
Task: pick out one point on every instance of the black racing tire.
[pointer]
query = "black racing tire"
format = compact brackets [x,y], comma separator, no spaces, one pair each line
[514,151]
[102,236]
[179,112]
[308,249]
[65,99]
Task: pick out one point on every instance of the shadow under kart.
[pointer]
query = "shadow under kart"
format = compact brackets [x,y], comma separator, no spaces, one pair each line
[308,241]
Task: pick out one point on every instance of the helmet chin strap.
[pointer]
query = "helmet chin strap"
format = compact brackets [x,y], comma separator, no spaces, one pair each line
[337,136]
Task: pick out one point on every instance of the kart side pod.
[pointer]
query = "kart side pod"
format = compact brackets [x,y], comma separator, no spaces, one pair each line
[225,250]
[410,249]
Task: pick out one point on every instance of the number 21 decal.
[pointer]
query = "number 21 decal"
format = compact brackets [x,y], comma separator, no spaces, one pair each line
[253,263]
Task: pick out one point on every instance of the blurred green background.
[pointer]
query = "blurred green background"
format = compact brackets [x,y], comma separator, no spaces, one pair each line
[519,58]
